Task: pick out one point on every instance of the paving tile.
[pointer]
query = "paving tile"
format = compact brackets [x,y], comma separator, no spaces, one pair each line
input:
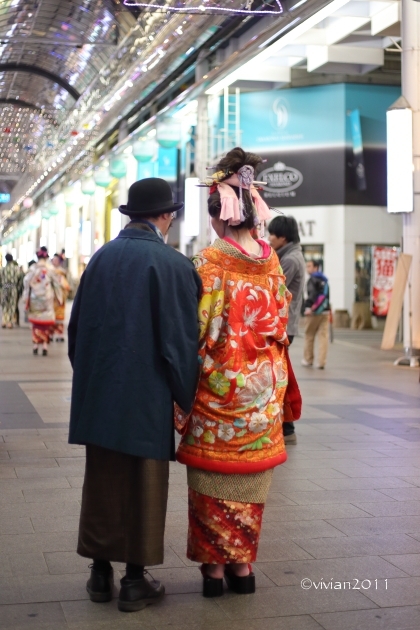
[287,600]
[26,564]
[279,550]
[375,619]
[5,568]
[293,485]
[9,591]
[403,494]
[347,546]
[28,483]
[75,482]
[380,526]
[313,512]
[399,592]
[31,616]
[341,569]
[47,588]
[53,494]
[66,508]
[304,529]
[340,496]
[31,543]
[387,508]
[6,472]
[409,563]
[55,523]
[11,496]
[364,483]
[298,622]
[15,525]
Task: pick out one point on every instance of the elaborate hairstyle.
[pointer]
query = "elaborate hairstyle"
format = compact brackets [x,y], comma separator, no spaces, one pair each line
[233,196]
[285,226]
[42,253]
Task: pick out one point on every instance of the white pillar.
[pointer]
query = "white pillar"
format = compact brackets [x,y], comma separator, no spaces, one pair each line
[411,221]
[201,157]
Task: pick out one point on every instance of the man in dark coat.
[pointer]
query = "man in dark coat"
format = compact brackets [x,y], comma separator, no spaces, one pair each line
[133,345]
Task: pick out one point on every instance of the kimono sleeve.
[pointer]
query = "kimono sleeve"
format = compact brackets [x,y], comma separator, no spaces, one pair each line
[178,334]
[283,298]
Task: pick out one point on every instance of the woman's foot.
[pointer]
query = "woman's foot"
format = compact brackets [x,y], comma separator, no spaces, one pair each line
[44,352]
[35,350]
[212,586]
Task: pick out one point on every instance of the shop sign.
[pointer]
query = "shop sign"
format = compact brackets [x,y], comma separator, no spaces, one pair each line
[282,180]
[384,264]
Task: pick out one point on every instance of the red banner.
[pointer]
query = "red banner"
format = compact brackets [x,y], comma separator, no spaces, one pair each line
[384,264]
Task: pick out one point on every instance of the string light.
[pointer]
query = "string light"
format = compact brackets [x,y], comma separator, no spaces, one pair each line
[209,7]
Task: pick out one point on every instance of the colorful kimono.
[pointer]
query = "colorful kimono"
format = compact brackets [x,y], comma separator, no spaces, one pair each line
[41,286]
[233,438]
[10,281]
[60,307]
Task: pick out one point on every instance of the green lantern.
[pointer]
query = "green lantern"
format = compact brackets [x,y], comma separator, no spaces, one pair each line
[88,186]
[118,168]
[102,177]
[168,133]
[144,150]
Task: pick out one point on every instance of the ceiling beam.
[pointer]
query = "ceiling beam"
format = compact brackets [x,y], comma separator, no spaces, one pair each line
[55,78]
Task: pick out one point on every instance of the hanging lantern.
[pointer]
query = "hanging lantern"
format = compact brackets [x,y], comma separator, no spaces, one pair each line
[45,213]
[144,150]
[168,133]
[102,177]
[118,167]
[88,186]
[53,210]
[28,202]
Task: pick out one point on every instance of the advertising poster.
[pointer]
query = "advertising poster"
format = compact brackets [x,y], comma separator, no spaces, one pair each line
[384,264]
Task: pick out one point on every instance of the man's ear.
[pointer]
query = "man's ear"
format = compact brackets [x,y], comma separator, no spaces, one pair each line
[166,216]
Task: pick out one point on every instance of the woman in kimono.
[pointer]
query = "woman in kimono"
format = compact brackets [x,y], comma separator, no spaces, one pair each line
[41,286]
[60,308]
[233,438]
[10,282]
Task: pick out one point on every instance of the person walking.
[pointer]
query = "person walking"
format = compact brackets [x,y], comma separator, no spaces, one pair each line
[10,286]
[284,238]
[133,345]
[233,438]
[317,316]
[41,287]
[60,308]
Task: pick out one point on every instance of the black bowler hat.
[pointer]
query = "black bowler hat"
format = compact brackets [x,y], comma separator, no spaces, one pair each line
[150,196]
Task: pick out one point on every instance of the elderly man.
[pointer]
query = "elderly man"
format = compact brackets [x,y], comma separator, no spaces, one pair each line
[133,345]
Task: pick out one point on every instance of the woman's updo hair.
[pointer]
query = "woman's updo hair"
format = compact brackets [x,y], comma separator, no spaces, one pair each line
[230,164]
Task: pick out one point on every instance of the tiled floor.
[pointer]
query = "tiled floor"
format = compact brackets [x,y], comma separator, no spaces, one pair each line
[344,511]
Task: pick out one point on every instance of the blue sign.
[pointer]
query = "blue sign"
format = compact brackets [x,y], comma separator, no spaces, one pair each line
[4,197]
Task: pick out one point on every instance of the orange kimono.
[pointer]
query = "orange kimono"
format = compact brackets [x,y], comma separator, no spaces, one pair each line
[233,438]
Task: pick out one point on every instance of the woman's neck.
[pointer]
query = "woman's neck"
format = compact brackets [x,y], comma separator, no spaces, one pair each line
[244,239]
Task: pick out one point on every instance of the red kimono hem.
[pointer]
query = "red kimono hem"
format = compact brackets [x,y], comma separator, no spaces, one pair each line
[239,468]
[40,323]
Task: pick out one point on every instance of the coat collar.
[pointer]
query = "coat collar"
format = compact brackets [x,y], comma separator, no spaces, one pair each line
[289,247]
[142,234]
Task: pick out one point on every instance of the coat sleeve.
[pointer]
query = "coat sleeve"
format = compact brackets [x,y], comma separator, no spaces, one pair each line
[74,322]
[178,334]
[290,268]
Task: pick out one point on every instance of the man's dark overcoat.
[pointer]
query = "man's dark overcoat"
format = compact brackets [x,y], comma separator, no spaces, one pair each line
[133,345]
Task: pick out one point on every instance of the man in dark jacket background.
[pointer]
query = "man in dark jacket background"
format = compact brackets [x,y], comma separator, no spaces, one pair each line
[133,345]
[317,316]
[284,238]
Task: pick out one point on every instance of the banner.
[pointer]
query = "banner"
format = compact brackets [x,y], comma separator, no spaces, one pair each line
[384,264]
[358,158]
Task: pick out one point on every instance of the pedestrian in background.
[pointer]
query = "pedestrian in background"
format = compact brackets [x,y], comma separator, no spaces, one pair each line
[284,238]
[133,345]
[10,283]
[41,287]
[60,308]
[317,316]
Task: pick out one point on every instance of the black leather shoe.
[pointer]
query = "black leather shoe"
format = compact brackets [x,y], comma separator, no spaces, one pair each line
[99,585]
[241,585]
[137,594]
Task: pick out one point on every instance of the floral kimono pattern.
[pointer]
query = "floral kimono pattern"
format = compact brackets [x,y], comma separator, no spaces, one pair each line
[236,422]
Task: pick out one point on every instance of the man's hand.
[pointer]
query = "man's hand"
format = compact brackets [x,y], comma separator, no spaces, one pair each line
[307,311]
